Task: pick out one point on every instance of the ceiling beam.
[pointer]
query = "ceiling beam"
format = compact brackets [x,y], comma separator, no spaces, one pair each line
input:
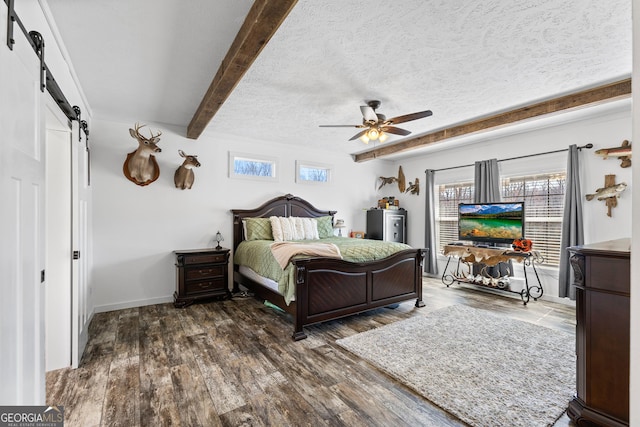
[609,92]
[261,23]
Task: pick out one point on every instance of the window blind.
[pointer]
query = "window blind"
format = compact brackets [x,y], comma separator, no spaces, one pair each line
[543,195]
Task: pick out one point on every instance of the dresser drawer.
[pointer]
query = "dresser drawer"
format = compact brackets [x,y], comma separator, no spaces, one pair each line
[205,286]
[204,272]
[204,259]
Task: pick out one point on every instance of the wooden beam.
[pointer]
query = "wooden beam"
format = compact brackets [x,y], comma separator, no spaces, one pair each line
[261,23]
[609,92]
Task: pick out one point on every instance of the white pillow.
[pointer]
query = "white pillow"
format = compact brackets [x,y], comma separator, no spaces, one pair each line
[288,228]
[298,228]
[276,229]
[310,228]
[293,228]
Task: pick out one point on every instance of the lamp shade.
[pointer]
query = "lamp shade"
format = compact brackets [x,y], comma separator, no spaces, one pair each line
[339,223]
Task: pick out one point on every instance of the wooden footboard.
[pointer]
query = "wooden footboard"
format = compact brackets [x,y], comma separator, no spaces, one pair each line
[327,288]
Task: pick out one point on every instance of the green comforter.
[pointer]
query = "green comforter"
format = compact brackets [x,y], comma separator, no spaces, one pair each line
[256,255]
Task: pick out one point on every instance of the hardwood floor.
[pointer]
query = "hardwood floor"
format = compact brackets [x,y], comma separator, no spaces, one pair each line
[233,363]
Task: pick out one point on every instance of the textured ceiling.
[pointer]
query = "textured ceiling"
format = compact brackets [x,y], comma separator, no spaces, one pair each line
[463,59]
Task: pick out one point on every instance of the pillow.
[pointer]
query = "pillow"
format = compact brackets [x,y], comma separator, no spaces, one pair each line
[293,228]
[288,228]
[298,228]
[276,228]
[258,229]
[325,226]
[310,226]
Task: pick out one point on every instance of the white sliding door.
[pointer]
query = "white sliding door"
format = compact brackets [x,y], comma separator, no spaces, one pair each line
[59,208]
[22,259]
[67,241]
[80,315]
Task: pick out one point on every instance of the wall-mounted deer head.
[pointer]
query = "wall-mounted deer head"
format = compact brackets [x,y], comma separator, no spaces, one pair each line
[141,166]
[184,176]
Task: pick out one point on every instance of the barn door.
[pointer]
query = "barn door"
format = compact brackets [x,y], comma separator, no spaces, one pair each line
[67,241]
[80,243]
[22,171]
[59,264]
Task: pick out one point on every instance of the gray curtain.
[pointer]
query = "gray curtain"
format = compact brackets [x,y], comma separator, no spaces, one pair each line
[572,226]
[486,187]
[486,182]
[430,263]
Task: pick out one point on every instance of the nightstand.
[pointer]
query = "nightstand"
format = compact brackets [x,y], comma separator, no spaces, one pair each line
[201,274]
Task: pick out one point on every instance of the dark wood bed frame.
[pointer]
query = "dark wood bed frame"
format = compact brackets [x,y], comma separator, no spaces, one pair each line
[329,288]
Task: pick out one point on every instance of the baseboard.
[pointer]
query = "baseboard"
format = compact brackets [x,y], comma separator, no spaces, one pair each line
[132,304]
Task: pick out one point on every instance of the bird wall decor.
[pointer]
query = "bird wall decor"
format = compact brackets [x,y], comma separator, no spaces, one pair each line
[414,187]
[386,180]
[391,179]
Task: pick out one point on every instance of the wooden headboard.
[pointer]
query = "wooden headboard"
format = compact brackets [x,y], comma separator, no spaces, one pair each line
[287,205]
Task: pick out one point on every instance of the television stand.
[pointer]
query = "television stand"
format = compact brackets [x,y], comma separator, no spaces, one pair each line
[467,256]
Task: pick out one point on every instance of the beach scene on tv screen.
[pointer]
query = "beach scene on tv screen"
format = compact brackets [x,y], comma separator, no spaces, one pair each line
[490,221]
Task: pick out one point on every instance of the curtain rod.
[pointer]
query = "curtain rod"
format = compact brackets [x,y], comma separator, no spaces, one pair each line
[588,146]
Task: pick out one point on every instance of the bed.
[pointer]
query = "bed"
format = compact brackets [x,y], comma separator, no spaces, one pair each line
[329,288]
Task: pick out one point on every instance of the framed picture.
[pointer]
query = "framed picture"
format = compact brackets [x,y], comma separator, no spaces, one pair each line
[357,234]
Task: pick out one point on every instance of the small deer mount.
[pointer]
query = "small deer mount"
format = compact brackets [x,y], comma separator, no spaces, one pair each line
[184,177]
[140,166]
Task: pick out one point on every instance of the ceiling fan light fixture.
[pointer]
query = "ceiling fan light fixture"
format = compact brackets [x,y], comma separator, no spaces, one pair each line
[383,137]
[373,134]
[364,138]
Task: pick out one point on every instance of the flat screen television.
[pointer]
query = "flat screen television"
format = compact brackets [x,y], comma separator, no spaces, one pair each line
[491,222]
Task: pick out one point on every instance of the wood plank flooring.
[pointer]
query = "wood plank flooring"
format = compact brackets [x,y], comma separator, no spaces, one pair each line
[233,363]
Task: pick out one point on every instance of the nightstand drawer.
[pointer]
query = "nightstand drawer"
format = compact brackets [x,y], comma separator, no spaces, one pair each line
[205,272]
[204,259]
[204,286]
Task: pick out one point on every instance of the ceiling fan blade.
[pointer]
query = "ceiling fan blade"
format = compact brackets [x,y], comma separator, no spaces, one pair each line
[369,114]
[409,117]
[341,126]
[394,130]
[358,135]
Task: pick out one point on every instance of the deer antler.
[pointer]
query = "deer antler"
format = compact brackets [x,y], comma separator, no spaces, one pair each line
[139,135]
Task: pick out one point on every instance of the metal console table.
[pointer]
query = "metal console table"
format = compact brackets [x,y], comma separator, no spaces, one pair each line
[467,256]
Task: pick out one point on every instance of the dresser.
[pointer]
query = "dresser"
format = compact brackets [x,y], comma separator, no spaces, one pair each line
[387,224]
[602,282]
[201,274]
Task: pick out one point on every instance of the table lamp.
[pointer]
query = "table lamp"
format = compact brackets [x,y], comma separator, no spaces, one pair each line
[219,239]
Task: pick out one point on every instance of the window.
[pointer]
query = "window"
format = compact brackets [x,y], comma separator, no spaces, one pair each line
[451,195]
[252,166]
[313,172]
[543,197]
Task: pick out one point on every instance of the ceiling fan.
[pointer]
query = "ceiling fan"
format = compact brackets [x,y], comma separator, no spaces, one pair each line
[377,126]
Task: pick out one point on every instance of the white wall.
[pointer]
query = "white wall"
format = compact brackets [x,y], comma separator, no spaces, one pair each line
[137,228]
[606,129]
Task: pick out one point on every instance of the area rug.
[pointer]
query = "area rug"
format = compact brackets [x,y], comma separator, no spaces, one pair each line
[485,369]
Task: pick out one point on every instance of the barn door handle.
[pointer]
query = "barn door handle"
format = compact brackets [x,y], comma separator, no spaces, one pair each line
[76,254]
